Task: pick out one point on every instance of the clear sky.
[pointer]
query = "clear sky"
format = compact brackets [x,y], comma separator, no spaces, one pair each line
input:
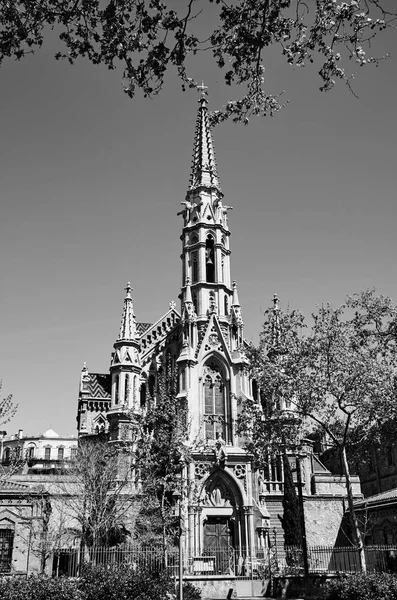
[91,182]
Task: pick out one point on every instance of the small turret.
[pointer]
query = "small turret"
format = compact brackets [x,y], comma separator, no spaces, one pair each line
[125,369]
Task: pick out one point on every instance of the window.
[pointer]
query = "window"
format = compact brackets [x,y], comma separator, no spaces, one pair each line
[30,452]
[127,392]
[209,259]
[194,298]
[143,395]
[6,547]
[73,452]
[61,453]
[183,379]
[226,306]
[214,402]
[194,267]
[254,389]
[116,389]
[7,455]
[47,453]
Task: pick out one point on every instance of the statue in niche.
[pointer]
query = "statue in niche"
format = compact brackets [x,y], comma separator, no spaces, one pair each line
[261,483]
[217,497]
[220,449]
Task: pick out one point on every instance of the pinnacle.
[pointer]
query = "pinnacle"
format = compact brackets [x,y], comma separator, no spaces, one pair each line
[204,172]
[128,323]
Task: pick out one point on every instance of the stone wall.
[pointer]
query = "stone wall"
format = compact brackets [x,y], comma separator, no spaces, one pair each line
[323,517]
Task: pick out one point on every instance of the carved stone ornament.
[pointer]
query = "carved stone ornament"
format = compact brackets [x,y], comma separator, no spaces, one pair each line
[213,340]
[240,471]
[201,469]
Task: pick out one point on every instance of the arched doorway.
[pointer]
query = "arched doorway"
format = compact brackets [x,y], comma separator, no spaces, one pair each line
[222,524]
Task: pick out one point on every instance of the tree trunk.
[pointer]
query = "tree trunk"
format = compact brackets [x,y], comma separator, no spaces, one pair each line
[356,533]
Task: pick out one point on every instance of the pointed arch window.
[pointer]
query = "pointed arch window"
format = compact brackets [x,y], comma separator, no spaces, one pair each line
[226,306]
[209,259]
[195,267]
[194,298]
[127,393]
[116,389]
[215,403]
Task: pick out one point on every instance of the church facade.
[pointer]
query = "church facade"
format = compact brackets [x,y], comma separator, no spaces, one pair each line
[235,505]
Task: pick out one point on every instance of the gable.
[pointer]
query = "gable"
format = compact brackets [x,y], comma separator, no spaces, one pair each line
[213,341]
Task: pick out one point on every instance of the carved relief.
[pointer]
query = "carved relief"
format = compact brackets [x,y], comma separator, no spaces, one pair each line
[201,469]
[218,493]
[240,471]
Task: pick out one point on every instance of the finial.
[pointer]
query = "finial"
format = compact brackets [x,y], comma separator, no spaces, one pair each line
[128,290]
[128,325]
[235,299]
[172,304]
[202,89]
[275,302]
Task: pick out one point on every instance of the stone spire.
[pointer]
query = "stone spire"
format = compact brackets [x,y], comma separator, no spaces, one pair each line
[237,317]
[235,301]
[276,326]
[128,323]
[204,172]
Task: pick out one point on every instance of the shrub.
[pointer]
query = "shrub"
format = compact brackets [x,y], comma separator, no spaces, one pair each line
[371,586]
[39,587]
[126,582]
[190,592]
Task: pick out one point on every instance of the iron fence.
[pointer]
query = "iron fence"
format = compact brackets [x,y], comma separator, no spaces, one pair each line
[211,562]
[229,562]
[329,559]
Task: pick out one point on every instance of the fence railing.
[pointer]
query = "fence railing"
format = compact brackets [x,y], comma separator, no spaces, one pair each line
[329,559]
[228,561]
[211,562]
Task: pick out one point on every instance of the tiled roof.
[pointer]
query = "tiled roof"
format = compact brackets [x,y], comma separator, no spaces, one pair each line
[142,327]
[98,385]
[382,497]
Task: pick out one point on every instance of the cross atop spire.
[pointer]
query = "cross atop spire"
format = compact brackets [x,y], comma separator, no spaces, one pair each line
[204,172]
[202,89]
[128,323]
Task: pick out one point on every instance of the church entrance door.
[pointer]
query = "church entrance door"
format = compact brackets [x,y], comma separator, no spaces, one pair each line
[218,542]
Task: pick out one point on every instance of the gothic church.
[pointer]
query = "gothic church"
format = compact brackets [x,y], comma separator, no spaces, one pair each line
[237,506]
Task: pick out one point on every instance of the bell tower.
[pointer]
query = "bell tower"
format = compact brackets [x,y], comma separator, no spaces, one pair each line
[205,235]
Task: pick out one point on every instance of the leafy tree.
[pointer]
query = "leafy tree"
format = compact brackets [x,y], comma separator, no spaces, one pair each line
[14,462]
[147,37]
[338,379]
[161,455]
